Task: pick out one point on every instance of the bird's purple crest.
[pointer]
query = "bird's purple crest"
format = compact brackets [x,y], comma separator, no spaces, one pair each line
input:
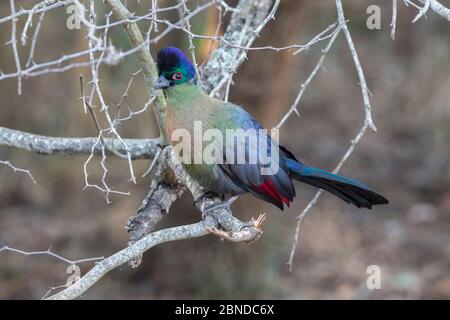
[171,62]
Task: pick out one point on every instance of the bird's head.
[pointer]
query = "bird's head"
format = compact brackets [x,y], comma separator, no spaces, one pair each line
[173,68]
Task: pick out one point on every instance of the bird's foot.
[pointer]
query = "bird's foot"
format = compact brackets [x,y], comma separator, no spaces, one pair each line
[250,232]
[222,205]
[208,206]
[210,209]
[259,221]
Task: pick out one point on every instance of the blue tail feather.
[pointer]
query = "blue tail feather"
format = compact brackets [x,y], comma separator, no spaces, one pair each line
[349,190]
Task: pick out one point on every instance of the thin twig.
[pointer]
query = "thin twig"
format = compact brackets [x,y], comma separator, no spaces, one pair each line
[50,253]
[13,43]
[9,164]
[362,79]
[394,19]
[30,60]
[294,107]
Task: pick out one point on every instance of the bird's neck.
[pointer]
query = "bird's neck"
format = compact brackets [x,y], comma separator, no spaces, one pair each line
[187,103]
[181,96]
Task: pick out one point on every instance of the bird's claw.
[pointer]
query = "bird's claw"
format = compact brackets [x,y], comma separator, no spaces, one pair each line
[257,224]
[259,221]
[250,232]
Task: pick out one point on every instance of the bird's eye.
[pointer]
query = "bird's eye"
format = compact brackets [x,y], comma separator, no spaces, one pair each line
[177,76]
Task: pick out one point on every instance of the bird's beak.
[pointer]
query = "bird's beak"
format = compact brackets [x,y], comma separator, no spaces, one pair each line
[162,83]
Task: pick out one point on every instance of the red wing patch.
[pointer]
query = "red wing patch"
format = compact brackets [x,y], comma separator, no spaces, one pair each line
[268,188]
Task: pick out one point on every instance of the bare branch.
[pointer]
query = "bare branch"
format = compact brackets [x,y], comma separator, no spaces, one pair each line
[30,60]
[304,85]
[184,13]
[437,7]
[50,253]
[103,267]
[434,5]
[43,6]
[362,79]
[394,19]
[139,148]
[423,10]
[9,164]
[250,13]
[13,43]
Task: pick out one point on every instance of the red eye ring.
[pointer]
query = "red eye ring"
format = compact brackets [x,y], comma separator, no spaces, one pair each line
[177,76]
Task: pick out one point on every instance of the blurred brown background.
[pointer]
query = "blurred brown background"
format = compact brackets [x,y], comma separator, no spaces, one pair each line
[407,160]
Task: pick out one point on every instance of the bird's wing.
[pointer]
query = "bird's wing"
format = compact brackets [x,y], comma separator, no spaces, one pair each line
[247,162]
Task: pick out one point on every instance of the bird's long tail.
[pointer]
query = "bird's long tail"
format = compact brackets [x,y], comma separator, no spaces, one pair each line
[349,190]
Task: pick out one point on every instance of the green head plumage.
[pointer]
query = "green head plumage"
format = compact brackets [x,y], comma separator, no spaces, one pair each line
[173,68]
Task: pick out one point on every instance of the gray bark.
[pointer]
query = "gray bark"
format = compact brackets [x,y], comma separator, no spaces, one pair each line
[250,16]
[139,148]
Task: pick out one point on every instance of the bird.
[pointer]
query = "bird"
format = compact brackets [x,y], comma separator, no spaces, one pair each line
[187,103]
